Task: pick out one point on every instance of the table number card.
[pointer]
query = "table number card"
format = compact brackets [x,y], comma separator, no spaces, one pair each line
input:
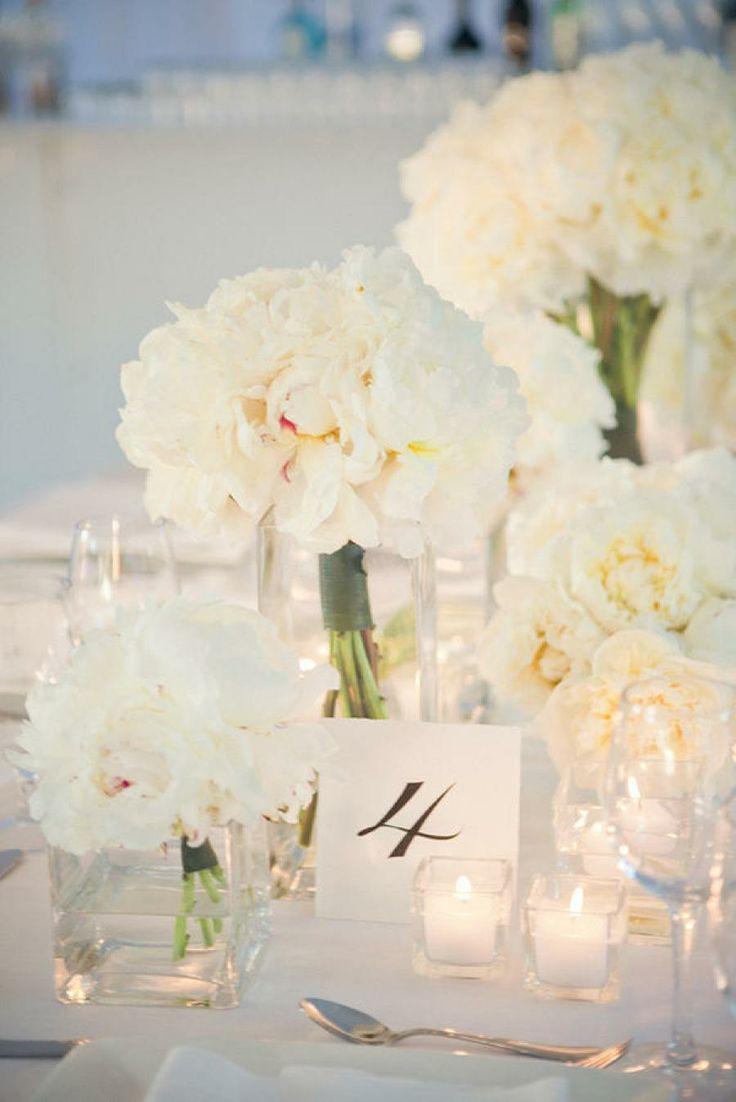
[397,792]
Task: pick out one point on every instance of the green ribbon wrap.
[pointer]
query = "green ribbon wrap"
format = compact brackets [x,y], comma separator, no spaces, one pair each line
[197,858]
[343,587]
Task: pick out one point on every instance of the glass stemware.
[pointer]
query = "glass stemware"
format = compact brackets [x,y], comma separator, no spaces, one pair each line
[117,560]
[33,647]
[670,770]
[723,905]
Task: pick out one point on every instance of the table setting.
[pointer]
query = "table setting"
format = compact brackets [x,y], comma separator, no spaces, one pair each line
[390,708]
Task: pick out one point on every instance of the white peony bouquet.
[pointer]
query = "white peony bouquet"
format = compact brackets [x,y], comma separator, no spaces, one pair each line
[353,402]
[352,406]
[617,573]
[178,719]
[595,195]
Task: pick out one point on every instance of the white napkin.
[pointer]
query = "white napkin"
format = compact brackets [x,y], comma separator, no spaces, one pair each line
[320,1084]
[198,1075]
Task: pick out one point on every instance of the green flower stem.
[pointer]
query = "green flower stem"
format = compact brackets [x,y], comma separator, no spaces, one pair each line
[621,328]
[198,863]
[347,617]
[210,885]
[208,933]
[186,905]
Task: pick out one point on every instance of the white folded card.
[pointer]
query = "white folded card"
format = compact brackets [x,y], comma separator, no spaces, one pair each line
[397,792]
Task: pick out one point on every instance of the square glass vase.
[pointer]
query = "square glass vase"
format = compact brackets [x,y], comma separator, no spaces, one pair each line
[585,845]
[403,606]
[127,931]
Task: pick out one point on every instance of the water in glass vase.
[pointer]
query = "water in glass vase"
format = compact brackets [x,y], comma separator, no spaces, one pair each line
[130,929]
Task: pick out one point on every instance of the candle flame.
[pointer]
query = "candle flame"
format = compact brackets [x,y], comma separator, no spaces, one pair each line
[633,788]
[463,887]
[576,901]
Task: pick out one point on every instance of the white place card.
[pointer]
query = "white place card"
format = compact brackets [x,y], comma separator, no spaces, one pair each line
[397,792]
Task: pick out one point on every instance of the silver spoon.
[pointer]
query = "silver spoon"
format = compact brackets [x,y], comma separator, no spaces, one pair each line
[360,1028]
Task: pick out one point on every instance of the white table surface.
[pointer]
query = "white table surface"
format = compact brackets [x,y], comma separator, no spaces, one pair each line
[366,965]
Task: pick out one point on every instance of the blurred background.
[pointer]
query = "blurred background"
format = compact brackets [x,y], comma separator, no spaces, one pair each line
[150,147]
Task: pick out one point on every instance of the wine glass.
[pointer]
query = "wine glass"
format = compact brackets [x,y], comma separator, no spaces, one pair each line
[34,646]
[670,770]
[723,905]
[117,561]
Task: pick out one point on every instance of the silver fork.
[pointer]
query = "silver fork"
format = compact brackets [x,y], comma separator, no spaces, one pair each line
[604,1058]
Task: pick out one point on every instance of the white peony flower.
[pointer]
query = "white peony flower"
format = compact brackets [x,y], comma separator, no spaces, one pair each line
[579,717]
[537,637]
[538,525]
[711,634]
[354,403]
[624,170]
[634,565]
[176,720]
[566,399]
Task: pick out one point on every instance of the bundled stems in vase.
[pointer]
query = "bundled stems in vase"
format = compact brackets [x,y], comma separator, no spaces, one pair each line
[199,863]
[619,326]
[346,613]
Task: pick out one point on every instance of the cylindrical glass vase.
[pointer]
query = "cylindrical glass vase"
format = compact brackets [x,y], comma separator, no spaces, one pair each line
[620,327]
[373,615]
[131,928]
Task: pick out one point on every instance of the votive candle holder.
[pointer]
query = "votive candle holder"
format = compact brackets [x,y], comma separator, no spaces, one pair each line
[574,927]
[461,910]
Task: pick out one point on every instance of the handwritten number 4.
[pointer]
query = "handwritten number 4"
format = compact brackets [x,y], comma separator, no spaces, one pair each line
[415,831]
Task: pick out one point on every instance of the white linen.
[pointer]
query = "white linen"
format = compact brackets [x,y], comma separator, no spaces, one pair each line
[197,1075]
[314,1084]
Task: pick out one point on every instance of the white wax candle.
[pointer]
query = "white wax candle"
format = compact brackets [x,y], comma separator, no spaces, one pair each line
[599,852]
[648,826]
[570,947]
[460,926]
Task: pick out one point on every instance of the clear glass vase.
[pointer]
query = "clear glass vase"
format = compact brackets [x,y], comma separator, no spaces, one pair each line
[675,411]
[373,615]
[620,327]
[132,928]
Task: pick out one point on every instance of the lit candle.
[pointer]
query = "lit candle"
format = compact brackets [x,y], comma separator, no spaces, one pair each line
[647,824]
[598,850]
[460,925]
[571,947]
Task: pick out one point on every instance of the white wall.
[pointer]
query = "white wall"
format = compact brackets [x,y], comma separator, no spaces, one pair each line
[99,228]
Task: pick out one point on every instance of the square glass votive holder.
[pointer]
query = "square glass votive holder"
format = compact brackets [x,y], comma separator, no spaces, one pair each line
[573,928]
[586,846]
[461,910]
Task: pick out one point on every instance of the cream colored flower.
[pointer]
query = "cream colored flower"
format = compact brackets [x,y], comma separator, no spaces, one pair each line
[711,634]
[624,170]
[567,402]
[354,403]
[578,719]
[538,525]
[176,720]
[537,637]
[634,565]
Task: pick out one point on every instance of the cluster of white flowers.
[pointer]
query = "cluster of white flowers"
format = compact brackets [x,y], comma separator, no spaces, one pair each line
[623,170]
[354,403]
[568,403]
[176,720]
[617,572]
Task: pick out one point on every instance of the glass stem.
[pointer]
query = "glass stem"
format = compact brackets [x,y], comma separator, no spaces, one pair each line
[681,1050]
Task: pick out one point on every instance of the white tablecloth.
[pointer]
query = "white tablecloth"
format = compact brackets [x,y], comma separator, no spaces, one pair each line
[366,965]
